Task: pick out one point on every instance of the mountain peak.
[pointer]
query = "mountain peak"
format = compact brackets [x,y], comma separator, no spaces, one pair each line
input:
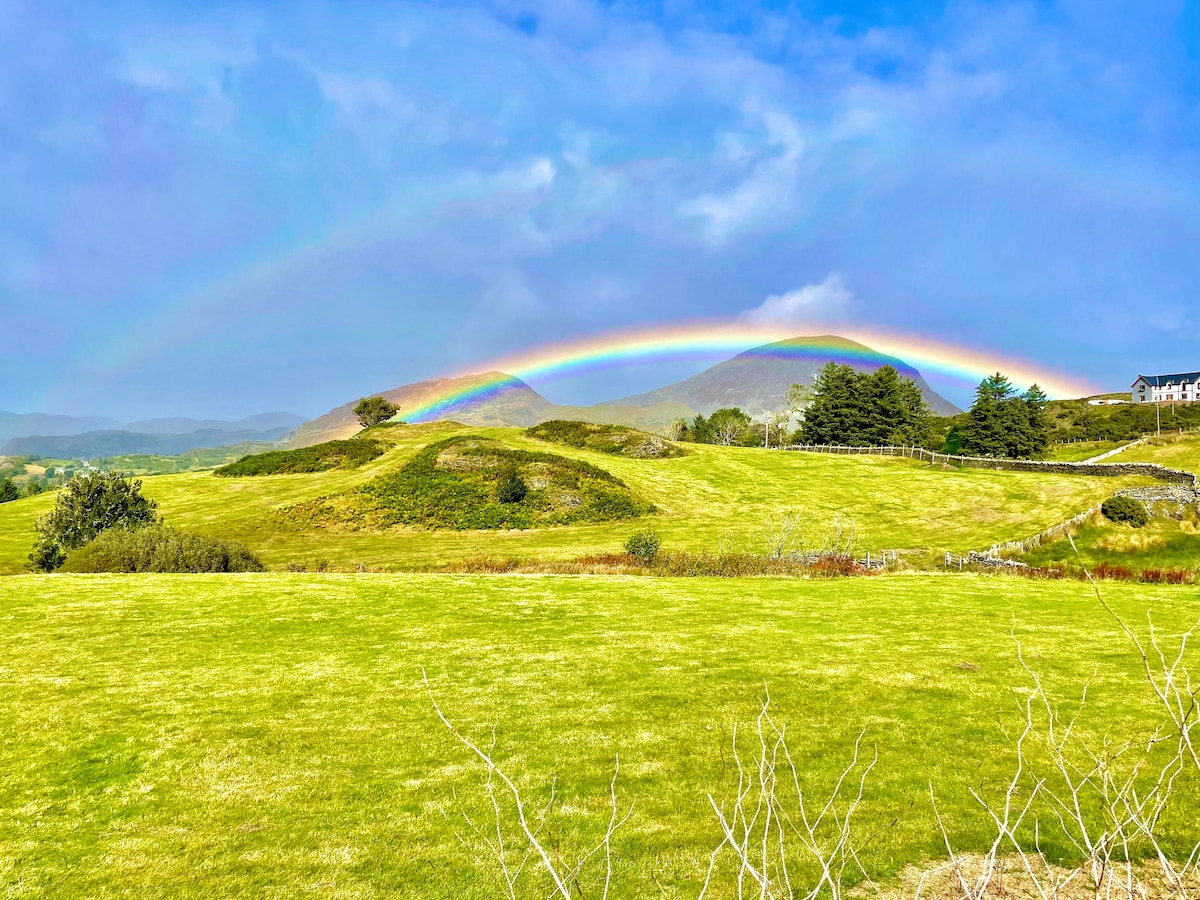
[757,380]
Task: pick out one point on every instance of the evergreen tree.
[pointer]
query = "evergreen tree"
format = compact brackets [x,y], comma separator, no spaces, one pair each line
[833,414]
[8,490]
[861,409]
[986,430]
[1002,423]
[1035,401]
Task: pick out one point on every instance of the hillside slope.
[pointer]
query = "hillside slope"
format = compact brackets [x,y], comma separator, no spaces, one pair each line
[509,401]
[711,497]
[758,380]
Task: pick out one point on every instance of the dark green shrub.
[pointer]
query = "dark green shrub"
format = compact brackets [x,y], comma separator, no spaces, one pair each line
[160,549]
[512,488]
[349,454]
[643,546]
[1125,509]
[9,491]
[33,489]
[88,505]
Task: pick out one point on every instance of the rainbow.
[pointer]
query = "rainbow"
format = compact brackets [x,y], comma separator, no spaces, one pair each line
[709,340]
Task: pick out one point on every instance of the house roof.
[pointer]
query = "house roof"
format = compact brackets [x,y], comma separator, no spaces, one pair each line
[1164,380]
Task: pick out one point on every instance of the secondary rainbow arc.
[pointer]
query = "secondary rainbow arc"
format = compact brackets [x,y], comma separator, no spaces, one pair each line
[705,340]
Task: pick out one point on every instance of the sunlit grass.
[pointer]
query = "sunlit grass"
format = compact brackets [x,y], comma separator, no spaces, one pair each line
[712,496]
[1174,450]
[193,736]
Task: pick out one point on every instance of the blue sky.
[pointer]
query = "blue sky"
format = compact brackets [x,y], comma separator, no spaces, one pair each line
[215,209]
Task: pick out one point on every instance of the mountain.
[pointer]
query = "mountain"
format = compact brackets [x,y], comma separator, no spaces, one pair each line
[260,422]
[494,399]
[99,444]
[25,424]
[758,380]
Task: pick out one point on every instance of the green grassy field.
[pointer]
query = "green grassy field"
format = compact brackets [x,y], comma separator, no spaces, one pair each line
[1162,544]
[222,736]
[1080,450]
[712,496]
[1174,450]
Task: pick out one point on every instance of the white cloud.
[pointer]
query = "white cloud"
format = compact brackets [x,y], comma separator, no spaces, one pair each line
[827,300]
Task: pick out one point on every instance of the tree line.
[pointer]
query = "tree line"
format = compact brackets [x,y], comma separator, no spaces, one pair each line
[863,409]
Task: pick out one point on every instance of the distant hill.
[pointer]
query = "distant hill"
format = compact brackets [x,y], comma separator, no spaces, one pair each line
[259,422]
[758,380]
[25,424]
[98,444]
[509,402]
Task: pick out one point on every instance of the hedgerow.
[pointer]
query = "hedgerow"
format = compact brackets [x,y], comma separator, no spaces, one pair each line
[348,454]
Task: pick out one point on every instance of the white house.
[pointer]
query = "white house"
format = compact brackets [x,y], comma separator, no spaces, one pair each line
[1167,388]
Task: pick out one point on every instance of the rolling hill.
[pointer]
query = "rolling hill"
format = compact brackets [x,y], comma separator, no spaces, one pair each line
[758,380]
[14,425]
[68,437]
[511,402]
[710,497]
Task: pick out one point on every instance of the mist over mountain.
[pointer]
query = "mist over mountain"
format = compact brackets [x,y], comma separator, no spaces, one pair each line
[99,444]
[26,424]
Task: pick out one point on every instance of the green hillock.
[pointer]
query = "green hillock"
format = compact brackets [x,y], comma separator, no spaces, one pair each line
[617,440]
[469,483]
[347,454]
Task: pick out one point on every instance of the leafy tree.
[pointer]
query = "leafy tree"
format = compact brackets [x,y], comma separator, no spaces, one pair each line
[33,488]
[89,504]
[8,491]
[730,427]
[373,410]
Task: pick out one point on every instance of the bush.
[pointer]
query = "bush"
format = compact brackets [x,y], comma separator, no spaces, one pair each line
[643,546]
[511,488]
[1125,509]
[160,549]
[349,454]
[618,440]
[90,504]
[8,491]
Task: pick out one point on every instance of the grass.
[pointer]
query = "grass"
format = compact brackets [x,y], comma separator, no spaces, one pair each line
[712,496]
[1080,450]
[1174,450]
[201,736]
[1163,544]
